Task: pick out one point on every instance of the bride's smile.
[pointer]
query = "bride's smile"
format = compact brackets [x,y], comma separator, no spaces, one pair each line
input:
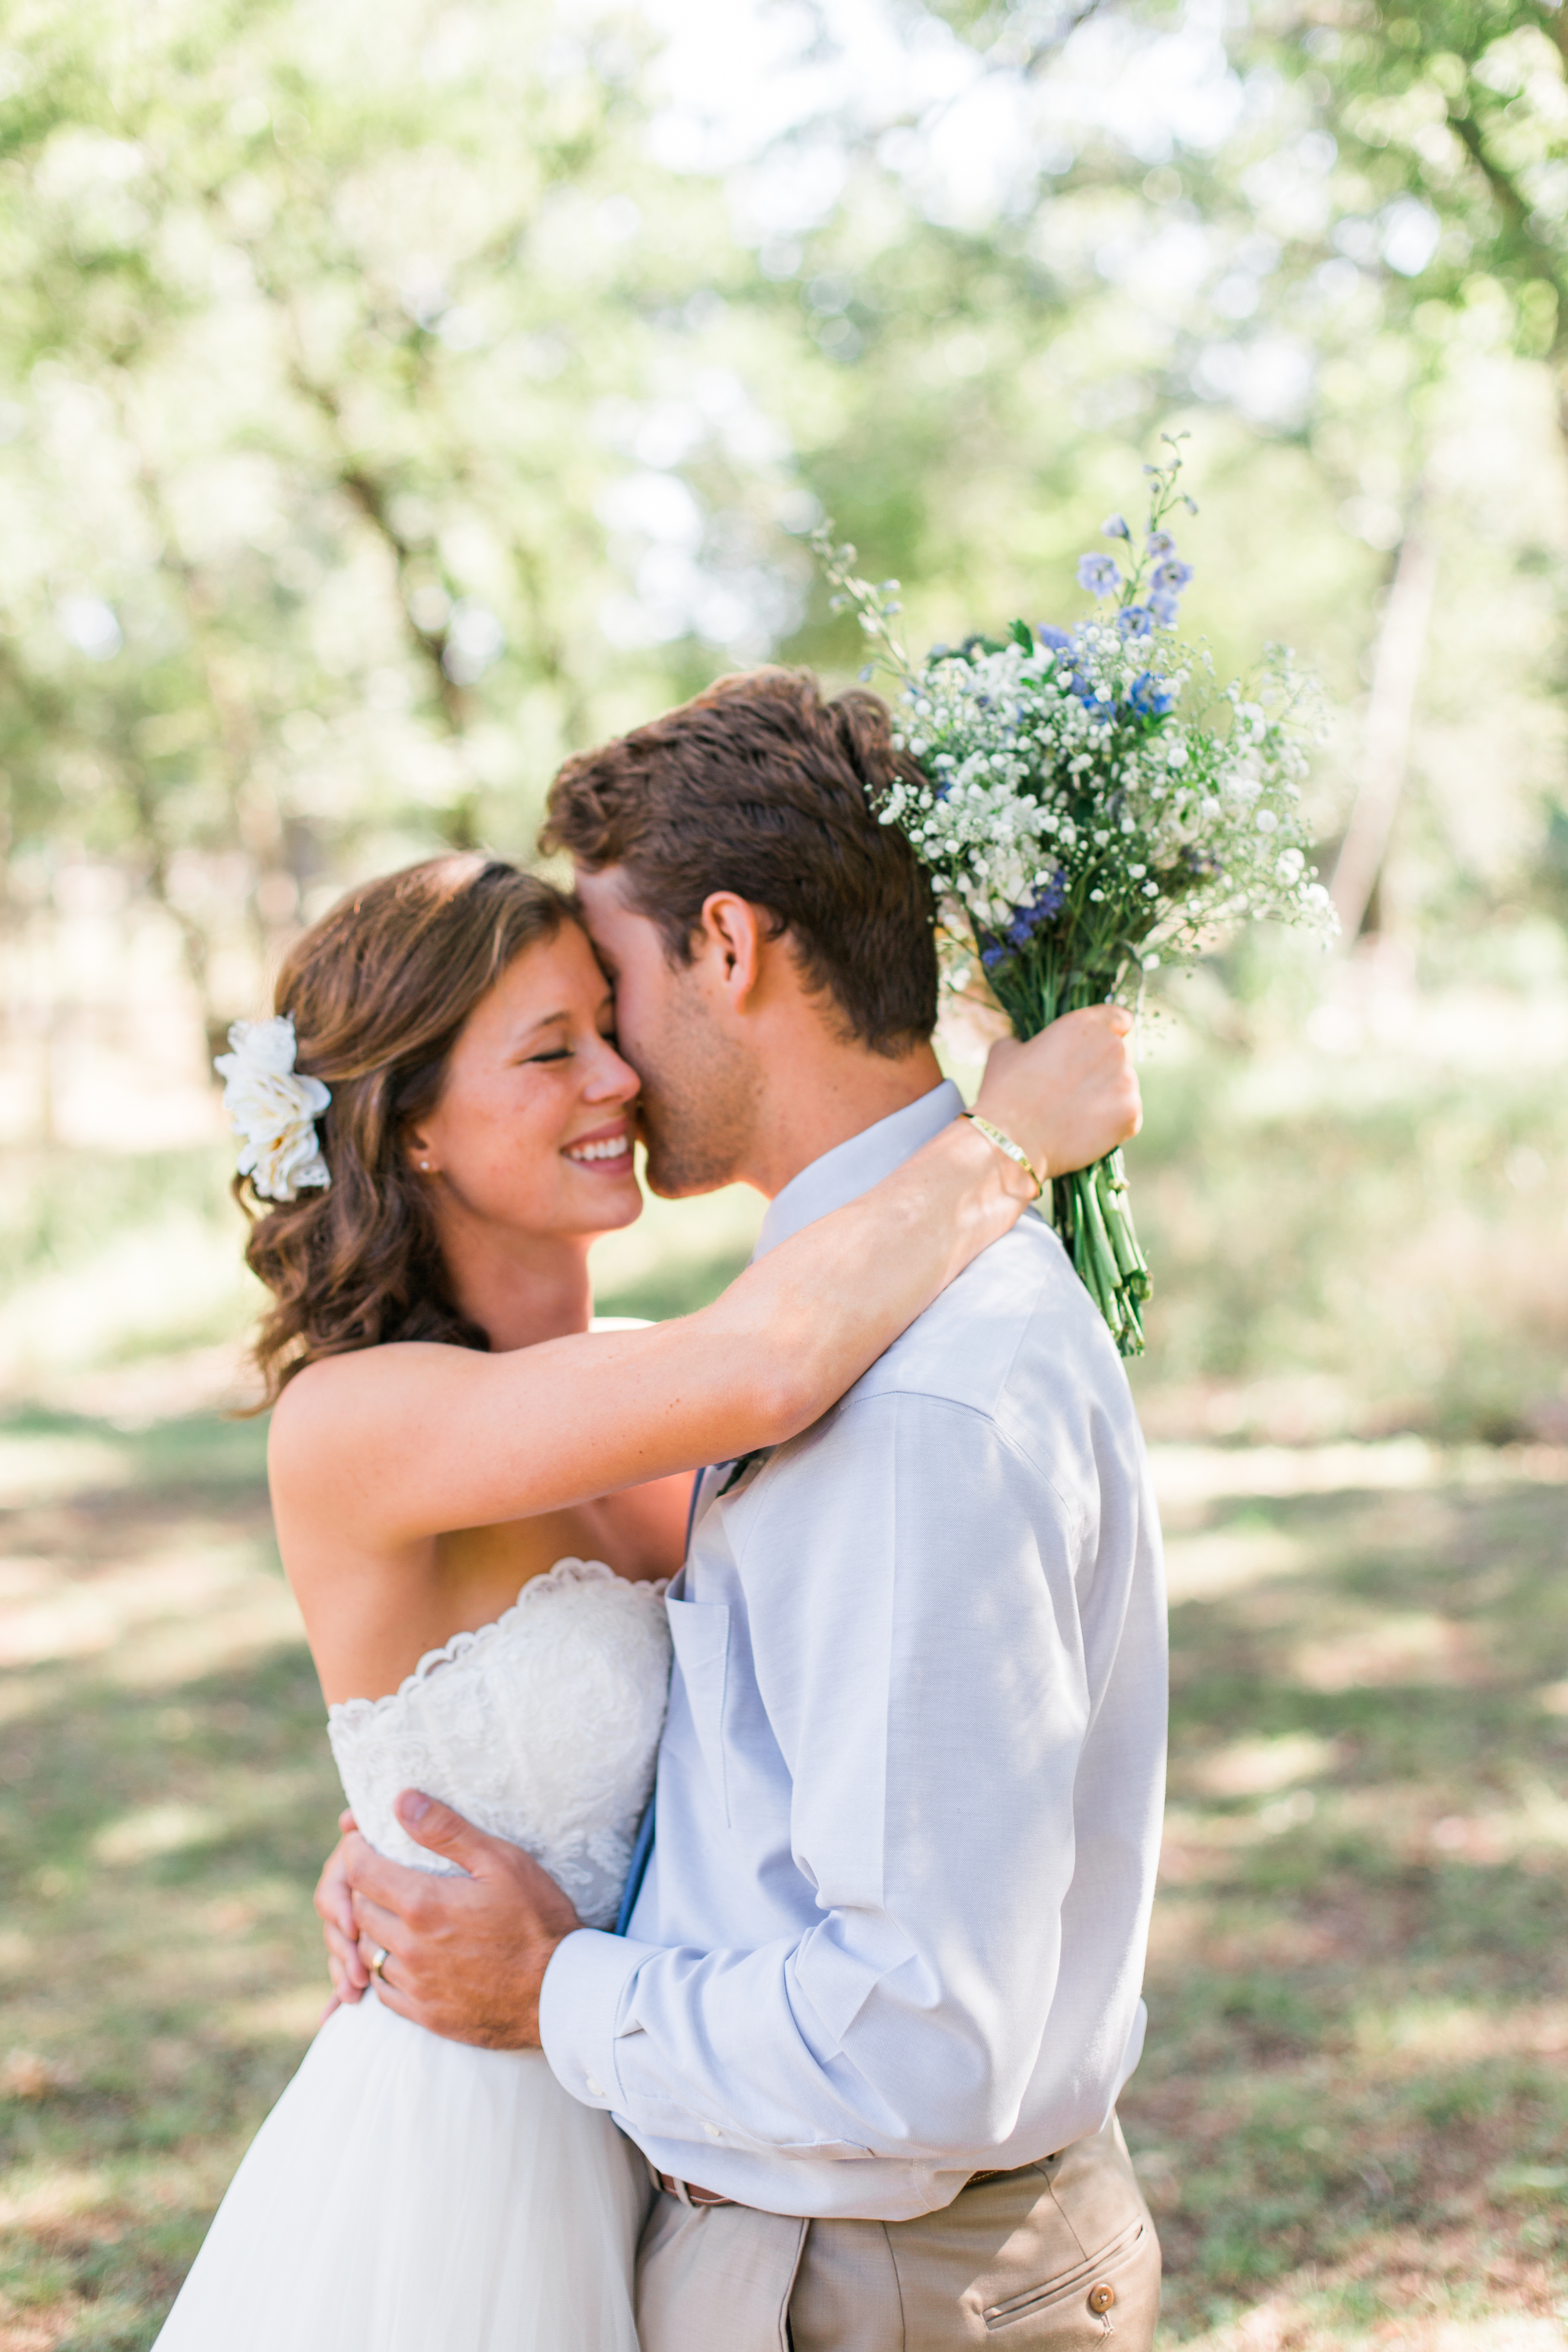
[530,1141]
[608,1150]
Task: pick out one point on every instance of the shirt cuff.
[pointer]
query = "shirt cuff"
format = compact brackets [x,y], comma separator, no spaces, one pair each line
[579,2002]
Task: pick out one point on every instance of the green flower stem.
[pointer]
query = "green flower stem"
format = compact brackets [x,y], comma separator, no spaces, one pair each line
[1089,1209]
[1096,1247]
[1115,1201]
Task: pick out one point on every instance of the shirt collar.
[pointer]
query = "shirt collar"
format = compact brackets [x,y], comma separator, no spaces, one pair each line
[852,1168]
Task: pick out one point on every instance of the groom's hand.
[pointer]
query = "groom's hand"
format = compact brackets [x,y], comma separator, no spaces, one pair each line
[334,1902]
[465,1957]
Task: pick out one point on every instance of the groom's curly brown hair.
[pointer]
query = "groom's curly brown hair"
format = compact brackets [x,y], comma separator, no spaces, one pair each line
[763,787]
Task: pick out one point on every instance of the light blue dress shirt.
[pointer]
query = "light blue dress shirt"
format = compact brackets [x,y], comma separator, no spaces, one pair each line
[910,1783]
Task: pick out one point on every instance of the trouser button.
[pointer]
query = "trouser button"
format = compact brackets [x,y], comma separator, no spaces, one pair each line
[1103,2297]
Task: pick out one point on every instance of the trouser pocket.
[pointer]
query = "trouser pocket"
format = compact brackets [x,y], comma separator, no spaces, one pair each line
[1093,2282]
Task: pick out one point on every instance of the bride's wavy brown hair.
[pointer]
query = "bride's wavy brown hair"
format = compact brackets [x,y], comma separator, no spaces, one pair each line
[379,991]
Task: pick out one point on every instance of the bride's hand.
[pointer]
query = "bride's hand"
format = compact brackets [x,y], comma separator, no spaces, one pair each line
[1071,1095]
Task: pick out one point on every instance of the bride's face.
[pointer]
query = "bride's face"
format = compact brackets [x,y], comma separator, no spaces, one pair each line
[533,1131]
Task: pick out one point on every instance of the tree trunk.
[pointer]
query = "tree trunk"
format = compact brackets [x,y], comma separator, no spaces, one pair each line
[1395,673]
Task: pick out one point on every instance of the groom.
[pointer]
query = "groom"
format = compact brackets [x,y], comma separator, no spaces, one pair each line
[879,1990]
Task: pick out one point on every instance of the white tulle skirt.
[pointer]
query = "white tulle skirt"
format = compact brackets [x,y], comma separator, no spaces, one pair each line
[408,2194]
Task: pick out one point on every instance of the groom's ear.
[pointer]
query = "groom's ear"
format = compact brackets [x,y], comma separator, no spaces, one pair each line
[734,936]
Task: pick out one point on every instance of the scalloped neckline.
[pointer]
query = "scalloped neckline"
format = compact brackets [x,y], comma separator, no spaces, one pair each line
[583,1571]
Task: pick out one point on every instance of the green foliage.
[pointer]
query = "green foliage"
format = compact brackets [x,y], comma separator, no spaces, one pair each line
[1386,171]
[1460,109]
[1327,1229]
[307,317]
[389,413]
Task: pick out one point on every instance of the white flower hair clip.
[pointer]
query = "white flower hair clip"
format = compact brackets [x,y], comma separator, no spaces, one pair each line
[274,1109]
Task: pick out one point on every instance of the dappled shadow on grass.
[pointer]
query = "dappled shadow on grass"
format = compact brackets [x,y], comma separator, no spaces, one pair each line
[45,1452]
[165,1798]
[1353,2113]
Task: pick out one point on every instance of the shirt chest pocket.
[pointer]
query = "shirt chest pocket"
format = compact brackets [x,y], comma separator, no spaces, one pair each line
[700,1631]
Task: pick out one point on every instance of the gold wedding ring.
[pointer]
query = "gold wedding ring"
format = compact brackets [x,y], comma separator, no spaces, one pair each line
[378,1960]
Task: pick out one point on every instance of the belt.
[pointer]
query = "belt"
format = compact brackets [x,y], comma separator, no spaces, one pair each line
[689,2193]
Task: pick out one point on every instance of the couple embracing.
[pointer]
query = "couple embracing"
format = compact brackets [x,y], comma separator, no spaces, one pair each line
[755,1963]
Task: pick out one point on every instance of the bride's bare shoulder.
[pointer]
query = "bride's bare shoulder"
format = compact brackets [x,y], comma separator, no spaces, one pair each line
[354,1400]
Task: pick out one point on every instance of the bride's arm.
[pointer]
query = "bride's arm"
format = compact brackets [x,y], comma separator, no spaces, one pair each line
[408,1441]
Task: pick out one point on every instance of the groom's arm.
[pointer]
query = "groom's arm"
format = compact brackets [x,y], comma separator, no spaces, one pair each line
[913,1588]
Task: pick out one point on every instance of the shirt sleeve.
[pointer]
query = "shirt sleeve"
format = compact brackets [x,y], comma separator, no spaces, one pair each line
[912,1587]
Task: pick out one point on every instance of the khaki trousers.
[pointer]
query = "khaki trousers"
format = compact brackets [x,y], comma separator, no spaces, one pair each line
[1059,2253]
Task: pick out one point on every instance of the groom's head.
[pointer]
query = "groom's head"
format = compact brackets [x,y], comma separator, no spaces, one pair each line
[763,928]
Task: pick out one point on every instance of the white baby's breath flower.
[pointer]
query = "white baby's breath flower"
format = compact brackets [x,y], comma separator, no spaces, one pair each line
[274,1109]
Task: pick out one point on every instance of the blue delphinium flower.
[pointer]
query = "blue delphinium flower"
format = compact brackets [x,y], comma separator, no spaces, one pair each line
[1078,683]
[1149,696]
[1037,910]
[1097,815]
[1099,575]
[1028,919]
[1062,641]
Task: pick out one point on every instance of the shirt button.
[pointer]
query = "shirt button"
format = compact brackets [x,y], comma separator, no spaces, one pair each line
[595,2088]
[711,2130]
[1103,2297]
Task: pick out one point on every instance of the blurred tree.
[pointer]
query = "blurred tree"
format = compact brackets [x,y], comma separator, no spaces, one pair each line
[311,321]
[1451,123]
[395,395]
[1326,219]
[1425,146]
[1450,120]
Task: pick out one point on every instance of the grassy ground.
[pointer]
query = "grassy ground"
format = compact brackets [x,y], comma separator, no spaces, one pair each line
[1353,2118]
[164,1794]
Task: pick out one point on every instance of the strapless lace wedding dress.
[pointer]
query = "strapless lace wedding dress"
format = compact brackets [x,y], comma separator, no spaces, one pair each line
[408,2194]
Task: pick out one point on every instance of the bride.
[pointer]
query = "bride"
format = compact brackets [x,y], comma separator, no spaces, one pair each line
[476,1498]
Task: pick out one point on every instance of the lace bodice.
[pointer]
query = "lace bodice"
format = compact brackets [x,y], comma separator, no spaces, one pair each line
[541,1727]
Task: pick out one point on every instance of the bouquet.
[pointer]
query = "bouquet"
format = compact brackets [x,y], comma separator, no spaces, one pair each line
[1088,801]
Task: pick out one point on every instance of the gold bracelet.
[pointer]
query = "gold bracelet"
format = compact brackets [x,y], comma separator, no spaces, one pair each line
[1006,1143]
